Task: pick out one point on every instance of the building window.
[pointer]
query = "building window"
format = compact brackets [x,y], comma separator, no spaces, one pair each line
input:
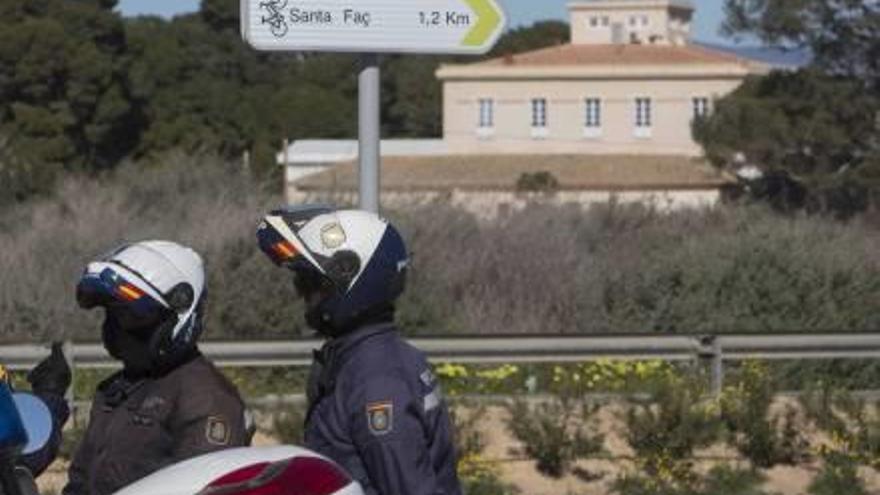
[594,21]
[643,112]
[487,113]
[644,117]
[593,109]
[539,118]
[639,21]
[605,21]
[539,113]
[701,107]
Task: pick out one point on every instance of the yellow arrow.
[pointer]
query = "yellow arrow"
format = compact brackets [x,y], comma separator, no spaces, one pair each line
[488,19]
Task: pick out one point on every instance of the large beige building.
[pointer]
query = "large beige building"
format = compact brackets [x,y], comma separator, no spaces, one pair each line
[630,82]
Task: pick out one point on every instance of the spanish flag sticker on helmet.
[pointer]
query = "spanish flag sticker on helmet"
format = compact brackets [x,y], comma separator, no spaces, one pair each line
[285,250]
[129,292]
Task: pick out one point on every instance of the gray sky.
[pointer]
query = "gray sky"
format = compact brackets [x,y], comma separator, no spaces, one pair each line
[708,20]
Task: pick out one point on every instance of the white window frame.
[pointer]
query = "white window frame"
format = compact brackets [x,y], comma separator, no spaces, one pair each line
[539,109]
[592,117]
[700,106]
[598,22]
[643,114]
[485,117]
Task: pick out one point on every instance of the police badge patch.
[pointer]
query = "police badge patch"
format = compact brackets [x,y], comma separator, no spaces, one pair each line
[380,417]
[217,431]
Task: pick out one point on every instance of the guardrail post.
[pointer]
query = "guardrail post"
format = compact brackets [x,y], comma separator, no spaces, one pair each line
[70,396]
[717,369]
[710,351]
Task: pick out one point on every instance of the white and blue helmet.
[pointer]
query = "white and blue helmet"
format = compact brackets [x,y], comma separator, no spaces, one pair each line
[156,288]
[355,259]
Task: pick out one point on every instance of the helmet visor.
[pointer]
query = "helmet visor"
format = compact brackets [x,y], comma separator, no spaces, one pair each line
[110,290]
[281,251]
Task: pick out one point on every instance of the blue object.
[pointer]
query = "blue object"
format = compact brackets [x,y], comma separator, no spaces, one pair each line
[13,436]
[376,409]
[37,420]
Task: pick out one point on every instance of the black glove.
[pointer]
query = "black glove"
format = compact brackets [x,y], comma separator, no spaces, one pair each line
[52,376]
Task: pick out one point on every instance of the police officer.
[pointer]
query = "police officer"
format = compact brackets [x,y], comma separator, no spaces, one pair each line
[374,405]
[168,403]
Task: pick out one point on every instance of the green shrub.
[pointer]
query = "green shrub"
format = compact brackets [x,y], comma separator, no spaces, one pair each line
[851,423]
[537,182]
[478,476]
[720,480]
[665,430]
[764,440]
[70,441]
[839,475]
[288,427]
[465,419]
[22,177]
[725,480]
[485,483]
[555,433]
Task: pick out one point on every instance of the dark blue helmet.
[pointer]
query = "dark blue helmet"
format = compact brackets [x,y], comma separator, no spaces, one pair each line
[349,265]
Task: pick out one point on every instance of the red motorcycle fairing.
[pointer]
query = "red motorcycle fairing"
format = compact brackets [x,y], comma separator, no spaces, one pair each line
[297,476]
[277,470]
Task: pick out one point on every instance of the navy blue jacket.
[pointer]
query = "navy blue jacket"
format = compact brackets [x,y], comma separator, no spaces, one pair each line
[376,409]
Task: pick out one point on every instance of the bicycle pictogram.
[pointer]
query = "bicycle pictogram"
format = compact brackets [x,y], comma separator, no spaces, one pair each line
[275,17]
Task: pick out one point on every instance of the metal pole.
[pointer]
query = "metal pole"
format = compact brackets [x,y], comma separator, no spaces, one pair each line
[369,128]
[285,172]
[70,394]
[717,369]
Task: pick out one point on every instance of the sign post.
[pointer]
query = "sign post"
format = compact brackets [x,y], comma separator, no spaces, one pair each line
[371,27]
[369,133]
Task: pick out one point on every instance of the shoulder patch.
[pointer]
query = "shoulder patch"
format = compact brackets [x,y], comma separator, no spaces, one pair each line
[217,431]
[380,417]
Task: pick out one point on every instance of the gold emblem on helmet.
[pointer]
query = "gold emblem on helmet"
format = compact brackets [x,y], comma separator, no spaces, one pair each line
[333,236]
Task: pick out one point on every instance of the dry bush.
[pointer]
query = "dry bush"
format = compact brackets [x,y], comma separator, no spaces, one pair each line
[214,208]
[562,270]
[546,269]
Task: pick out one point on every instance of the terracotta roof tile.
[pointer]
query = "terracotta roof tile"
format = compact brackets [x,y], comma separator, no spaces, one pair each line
[575,55]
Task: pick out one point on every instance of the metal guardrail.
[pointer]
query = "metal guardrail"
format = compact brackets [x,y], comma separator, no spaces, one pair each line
[712,349]
[522,349]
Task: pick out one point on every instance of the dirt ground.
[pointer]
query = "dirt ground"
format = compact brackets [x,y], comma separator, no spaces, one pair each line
[522,473]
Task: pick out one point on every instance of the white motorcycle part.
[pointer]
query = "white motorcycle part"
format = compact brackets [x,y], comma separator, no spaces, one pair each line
[282,470]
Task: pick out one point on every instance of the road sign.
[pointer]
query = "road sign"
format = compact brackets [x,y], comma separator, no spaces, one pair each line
[373,26]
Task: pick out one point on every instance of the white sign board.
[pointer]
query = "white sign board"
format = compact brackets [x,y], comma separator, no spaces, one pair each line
[373,26]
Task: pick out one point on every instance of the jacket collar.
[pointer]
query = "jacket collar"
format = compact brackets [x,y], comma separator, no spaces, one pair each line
[338,347]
